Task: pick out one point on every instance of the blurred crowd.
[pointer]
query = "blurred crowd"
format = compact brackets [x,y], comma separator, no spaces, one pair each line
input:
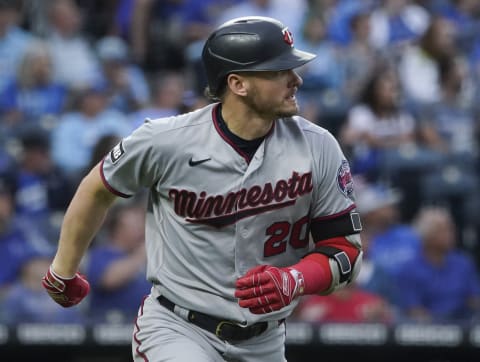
[396,81]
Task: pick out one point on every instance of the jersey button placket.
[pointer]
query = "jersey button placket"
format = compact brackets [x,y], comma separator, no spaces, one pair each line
[242,259]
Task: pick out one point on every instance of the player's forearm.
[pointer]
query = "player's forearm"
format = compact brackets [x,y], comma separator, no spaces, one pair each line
[83,219]
[316,272]
[321,275]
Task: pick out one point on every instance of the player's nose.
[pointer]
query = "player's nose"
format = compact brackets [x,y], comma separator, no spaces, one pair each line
[295,79]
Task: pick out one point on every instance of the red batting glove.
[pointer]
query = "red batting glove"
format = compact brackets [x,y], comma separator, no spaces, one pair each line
[66,292]
[265,288]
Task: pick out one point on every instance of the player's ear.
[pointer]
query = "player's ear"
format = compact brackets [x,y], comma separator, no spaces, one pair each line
[237,84]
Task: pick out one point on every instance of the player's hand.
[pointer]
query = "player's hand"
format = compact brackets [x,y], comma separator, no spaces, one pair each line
[65,291]
[265,288]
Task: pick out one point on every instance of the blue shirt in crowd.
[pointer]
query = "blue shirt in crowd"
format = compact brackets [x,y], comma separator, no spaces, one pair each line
[34,103]
[76,135]
[394,247]
[442,290]
[124,300]
[17,244]
[24,305]
[12,48]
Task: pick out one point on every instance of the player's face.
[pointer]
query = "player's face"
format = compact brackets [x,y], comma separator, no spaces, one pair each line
[272,94]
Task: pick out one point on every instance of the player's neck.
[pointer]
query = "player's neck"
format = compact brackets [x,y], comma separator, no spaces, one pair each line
[244,123]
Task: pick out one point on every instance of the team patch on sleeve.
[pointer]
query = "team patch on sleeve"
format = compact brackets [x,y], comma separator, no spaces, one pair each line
[345,179]
[117,152]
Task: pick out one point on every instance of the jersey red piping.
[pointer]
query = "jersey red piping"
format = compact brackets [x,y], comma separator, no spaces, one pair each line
[108,186]
[224,136]
[135,338]
[228,140]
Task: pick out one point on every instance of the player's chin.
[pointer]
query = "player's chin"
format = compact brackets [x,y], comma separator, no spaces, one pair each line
[288,111]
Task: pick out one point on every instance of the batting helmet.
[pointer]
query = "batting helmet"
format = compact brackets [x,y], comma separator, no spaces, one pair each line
[249,44]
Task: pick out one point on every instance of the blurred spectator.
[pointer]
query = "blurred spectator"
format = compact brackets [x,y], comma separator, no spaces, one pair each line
[168,91]
[200,17]
[198,20]
[74,61]
[98,17]
[18,237]
[7,159]
[124,82]
[155,32]
[398,21]
[122,19]
[26,301]
[33,94]
[351,304]
[418,66]
[339,14]
[192,101]
[290,13]
[323,79]
[441,283]
[79,130]
[116,268]
[449,126]
[464,16]
[377,124]
[101,148]
[373,278]
[391,242]
[13,41]
[359,56]
[41,189]
[34,16]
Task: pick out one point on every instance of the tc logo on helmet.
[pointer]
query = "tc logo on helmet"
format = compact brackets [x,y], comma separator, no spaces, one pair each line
[287,36]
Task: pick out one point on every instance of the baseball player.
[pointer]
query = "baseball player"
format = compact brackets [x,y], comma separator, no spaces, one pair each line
[250,207]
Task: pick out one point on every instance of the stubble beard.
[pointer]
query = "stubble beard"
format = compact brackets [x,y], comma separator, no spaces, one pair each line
[267,110]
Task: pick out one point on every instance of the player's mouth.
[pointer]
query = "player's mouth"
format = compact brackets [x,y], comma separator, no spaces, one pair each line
[292,97]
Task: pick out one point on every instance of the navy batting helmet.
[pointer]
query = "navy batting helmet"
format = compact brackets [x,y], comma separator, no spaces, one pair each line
[249,44]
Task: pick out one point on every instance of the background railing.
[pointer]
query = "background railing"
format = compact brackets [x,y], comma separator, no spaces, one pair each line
[305,342]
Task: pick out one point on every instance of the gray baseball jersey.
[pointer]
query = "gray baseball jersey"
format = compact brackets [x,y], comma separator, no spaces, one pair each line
[213,214]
